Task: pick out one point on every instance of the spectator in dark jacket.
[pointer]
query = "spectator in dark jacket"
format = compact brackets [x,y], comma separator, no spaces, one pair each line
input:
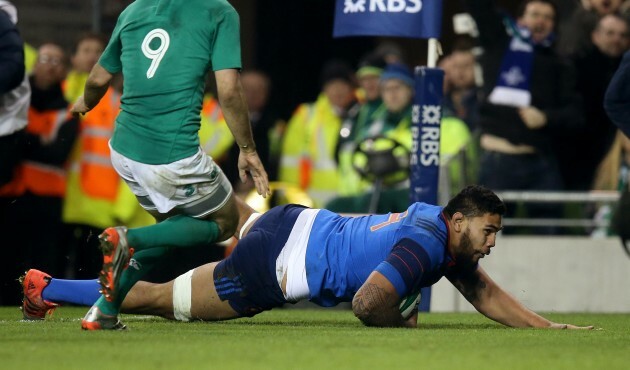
[575,31]
[581,151]
[529,96]
[14,93]
[32,220]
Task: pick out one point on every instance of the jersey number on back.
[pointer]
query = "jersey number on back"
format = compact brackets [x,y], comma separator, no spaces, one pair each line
[393,218]
[155,55]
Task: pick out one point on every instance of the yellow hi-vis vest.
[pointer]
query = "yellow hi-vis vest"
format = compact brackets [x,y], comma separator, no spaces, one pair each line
[30,58]
[456,147]
[73,85]
[215,137]
[96,195]
[308,150]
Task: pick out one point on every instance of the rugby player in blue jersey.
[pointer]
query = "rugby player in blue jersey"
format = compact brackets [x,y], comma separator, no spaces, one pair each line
[292,253]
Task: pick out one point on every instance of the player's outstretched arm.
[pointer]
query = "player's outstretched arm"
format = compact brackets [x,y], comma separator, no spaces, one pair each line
[496,304]
[95,87]
[376,304]
[236,115]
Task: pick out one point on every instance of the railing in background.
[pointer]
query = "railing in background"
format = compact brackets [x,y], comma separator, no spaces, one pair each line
[597,198]
[560,197]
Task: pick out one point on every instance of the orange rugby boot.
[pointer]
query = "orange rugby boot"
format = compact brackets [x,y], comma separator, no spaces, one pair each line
[34,307]
[116,256]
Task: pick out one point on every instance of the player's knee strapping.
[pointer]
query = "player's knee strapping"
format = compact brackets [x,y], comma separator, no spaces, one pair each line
[253,217]
[182,296]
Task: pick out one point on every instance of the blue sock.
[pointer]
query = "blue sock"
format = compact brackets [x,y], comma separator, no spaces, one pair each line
[81,292]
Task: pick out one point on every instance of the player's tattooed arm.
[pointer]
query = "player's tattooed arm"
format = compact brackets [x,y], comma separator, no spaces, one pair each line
[376,303]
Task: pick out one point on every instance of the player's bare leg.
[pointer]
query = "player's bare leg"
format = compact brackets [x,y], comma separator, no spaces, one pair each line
[157,299]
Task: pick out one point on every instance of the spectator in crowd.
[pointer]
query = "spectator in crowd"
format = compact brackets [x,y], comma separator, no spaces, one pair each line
[529,96]
[33,220]
[392,120]
[310,141]
[14,92]
[391,52]
[575,31]
[355,127]
[266,128]
[15,95]
[581,151]
[85,54]
[566,9]
[461,95]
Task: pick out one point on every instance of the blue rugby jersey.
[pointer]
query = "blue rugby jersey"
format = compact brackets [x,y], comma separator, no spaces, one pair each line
[409,249]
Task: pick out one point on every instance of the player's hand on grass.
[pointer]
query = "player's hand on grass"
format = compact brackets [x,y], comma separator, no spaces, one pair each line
[79,107]
[248,161]
[554,325]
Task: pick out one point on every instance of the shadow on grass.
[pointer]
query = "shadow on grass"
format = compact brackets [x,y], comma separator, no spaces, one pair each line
[325,323]
[461,326]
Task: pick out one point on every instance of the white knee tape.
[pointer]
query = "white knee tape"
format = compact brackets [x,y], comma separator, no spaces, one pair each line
[253,217]
[182,296]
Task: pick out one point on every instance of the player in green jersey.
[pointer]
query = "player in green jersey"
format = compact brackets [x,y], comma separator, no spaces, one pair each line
[164,48]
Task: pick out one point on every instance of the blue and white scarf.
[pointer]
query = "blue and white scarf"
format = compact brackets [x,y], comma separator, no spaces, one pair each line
[512,86]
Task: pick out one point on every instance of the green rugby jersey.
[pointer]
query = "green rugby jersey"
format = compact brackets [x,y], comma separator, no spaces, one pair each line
[164,49]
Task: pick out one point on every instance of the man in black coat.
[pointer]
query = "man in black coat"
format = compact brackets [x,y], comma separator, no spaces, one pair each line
[581,151]
[529,96]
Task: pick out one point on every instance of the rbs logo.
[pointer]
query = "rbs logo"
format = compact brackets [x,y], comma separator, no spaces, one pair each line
[383,6]
[428,137]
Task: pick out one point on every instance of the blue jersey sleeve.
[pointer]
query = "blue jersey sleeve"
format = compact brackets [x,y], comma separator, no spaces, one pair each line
[405,266]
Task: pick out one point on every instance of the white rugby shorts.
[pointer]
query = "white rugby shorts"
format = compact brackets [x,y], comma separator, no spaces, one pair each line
[195,186]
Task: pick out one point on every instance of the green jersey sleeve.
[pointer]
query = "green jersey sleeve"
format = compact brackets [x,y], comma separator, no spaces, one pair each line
[110,59]
[226,50]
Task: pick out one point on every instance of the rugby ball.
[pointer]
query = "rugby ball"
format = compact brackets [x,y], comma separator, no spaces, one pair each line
[409,304]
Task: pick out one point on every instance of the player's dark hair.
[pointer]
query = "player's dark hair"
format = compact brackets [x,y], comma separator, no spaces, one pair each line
[475,201]
[523,6]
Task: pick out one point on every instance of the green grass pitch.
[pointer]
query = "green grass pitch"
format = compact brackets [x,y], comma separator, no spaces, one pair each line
[312,339]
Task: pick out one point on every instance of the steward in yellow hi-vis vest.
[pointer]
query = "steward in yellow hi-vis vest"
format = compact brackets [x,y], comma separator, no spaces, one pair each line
[73,85]
[308,150]
[215,137]
[96,195]
[310,142]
